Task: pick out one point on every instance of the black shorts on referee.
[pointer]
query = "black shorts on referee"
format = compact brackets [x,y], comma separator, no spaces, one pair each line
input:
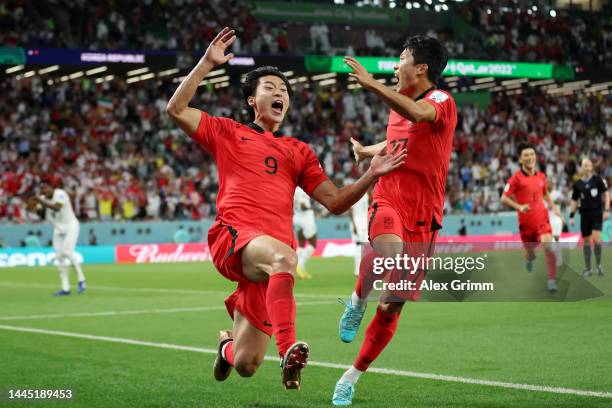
[590,222]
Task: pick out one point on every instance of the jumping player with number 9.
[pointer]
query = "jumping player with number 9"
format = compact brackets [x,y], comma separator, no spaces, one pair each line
[252,241]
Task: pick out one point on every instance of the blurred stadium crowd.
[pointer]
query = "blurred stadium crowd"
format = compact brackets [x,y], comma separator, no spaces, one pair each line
[117,154]
[115,151]
[500,33]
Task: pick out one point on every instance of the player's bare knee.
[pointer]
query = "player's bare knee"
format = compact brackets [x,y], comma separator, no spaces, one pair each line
[284,261]
[246,367]
[389,249]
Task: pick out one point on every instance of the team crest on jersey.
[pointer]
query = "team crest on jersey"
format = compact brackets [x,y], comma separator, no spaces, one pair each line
[388,222]
[594,192]
[438,96]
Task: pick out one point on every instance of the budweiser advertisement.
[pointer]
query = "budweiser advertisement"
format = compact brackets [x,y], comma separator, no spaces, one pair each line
[197,252]
[162,253]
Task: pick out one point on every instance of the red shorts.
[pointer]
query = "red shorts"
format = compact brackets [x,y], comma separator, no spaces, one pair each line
[383,219]
[531,232]
[249,298]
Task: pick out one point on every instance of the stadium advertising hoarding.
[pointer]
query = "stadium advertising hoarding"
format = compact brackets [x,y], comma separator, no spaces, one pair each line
[199,251]
[74,56]
[44,256]
[12,55]
[163,253]
[312,12]
[384,65]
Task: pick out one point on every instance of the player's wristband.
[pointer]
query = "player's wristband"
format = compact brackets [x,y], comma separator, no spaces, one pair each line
[572,214]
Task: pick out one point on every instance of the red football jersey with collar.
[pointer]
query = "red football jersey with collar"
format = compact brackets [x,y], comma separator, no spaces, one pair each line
[258,174]
[416,189]
[530,190]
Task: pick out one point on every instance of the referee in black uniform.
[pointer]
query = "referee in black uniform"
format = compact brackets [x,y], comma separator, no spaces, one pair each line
[592,192]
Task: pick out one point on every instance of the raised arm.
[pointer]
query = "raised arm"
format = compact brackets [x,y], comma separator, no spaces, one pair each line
[419,111]
[338,200]
[184,116]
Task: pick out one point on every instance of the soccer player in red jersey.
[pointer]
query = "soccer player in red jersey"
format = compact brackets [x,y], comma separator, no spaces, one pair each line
[407,204]
[528,187]
[252,241]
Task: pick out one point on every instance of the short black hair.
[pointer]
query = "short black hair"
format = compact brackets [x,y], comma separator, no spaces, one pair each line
[252,80]
[428,50]
[524,146]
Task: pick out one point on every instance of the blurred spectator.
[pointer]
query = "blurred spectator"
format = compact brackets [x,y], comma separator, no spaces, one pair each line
[32,241]
[319,38]
[92,238]
[181,236]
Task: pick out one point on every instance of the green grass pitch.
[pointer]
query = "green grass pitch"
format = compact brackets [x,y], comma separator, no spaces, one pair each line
[551,344]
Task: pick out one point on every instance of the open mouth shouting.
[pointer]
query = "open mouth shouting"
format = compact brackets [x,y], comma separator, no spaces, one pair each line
[277,107]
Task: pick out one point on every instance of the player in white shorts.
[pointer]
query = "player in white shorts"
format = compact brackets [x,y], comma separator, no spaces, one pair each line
[556,222]
[359,228]
[304,223]
[65,234]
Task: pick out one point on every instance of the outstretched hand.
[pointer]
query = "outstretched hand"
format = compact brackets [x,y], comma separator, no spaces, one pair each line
[385,162]
[215,53]
[363,77]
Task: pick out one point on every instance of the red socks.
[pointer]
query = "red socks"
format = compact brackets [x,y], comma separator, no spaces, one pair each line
[551,263]
[366,277]
[228,352]
[280,305]
[379,333]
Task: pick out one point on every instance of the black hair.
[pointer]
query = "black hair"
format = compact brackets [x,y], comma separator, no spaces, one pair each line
[524,146]
[252,80]
[428,50]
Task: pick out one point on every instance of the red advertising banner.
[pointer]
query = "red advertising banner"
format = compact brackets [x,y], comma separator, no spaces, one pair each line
[197,252]
[162,253]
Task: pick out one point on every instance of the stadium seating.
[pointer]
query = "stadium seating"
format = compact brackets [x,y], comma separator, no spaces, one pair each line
[120,158]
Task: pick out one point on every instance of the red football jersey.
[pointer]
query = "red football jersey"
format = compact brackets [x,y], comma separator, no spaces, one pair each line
[258,174]
[416,189]
[530,190]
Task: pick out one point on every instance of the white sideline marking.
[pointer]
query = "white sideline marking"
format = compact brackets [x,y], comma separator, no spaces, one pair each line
[111,313]
[401,373]
[160,290]
[135,312]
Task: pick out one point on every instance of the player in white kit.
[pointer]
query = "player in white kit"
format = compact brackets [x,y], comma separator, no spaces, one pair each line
[556,222]
[59,211]
[304,223]
[359,228]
